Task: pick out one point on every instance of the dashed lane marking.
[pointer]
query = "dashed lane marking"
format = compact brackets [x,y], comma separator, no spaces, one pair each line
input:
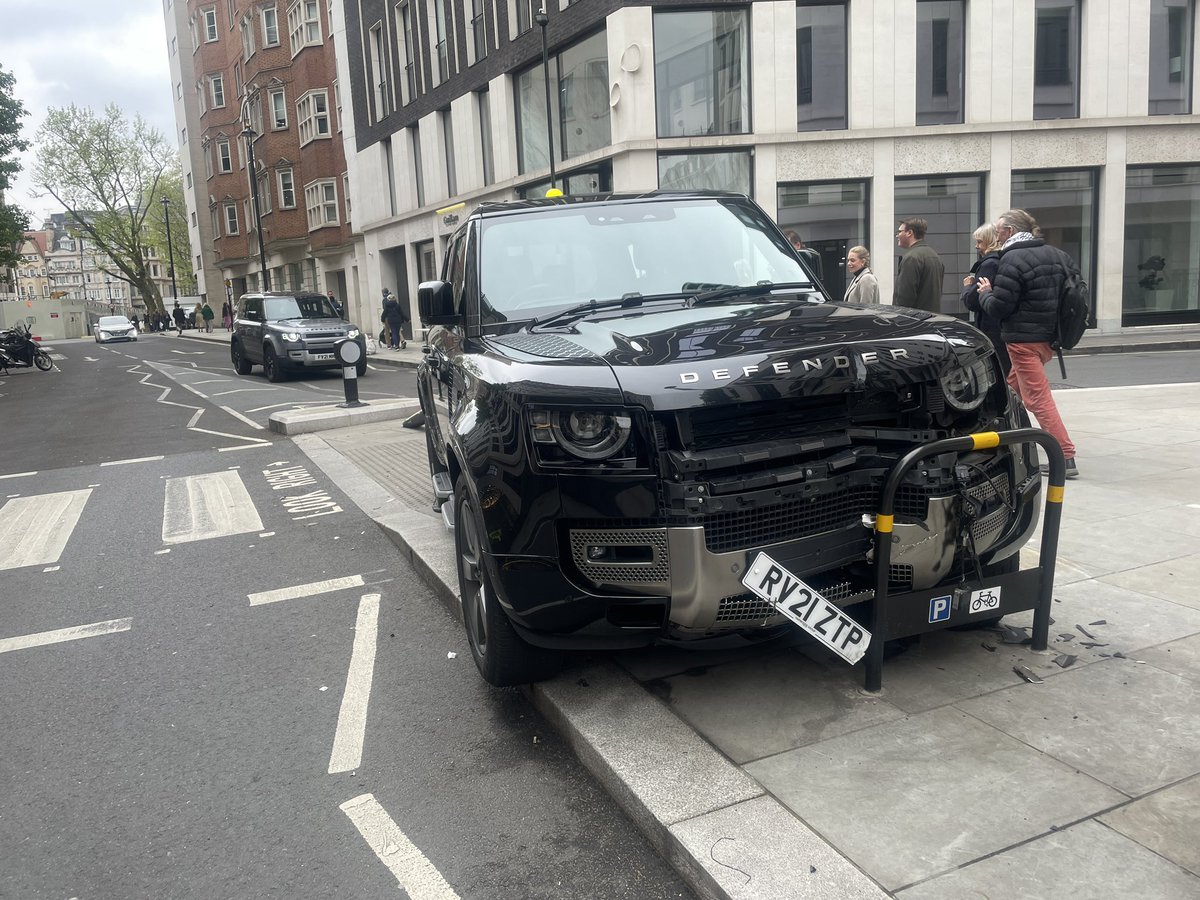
[416,874]
[352,717]
[17,475]
[305,590]
[64,634]
[125,462]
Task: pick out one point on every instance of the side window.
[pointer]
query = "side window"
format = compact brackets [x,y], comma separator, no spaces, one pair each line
[455,265]
[254,310]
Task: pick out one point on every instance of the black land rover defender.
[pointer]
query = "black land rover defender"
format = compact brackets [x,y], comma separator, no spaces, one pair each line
[629,397]
[286,332]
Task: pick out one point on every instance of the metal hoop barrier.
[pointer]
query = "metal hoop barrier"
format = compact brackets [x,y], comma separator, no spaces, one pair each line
[888,622]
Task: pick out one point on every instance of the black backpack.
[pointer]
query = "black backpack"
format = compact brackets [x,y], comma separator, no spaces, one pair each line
[1074,308]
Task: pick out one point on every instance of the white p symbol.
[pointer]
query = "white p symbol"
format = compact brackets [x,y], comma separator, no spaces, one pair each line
[939,607]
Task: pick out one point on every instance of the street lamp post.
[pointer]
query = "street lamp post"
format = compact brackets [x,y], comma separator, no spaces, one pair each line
[541,18]
[170,250]
[249,134]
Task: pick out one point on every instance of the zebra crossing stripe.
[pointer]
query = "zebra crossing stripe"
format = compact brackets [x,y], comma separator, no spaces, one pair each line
[201,507]
[64,634]
[34,530]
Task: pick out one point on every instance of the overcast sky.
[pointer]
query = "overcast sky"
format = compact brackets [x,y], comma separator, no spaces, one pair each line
[86,52]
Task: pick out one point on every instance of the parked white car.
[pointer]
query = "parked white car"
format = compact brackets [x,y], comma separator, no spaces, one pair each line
[114,328]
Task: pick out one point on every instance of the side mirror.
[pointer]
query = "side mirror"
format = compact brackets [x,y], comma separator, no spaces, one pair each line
[435,303]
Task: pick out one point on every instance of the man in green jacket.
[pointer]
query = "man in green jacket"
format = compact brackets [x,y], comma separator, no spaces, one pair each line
[919,282]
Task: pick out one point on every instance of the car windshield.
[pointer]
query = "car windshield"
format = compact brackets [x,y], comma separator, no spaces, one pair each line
[314,307]
[534,263]
[113,320]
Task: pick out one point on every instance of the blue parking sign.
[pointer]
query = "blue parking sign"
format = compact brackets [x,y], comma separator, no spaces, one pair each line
[939,609]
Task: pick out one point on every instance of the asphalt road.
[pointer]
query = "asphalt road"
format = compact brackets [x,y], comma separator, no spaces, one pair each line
[177,722]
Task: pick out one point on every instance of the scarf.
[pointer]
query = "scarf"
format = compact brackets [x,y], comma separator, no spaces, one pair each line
[1016,238]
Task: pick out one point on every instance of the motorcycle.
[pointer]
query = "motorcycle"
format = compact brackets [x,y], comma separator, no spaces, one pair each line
[18,350]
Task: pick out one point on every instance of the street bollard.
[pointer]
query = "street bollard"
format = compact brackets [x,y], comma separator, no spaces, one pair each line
[349,353]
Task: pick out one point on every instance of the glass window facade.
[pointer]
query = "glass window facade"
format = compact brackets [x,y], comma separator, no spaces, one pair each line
[1056,60]
[830,217]
[702,72]
[581,119]
[1064,203]
[1171,49]
[953,207]
[1162,246]
[821,53]
[940,62]
[713,171]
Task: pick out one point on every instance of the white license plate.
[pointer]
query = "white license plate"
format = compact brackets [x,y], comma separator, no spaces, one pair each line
[807,608]
[321,357]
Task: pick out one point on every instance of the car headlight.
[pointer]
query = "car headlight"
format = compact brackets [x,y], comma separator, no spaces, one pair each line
[966,387]
[353,333]
[291,337]
[591,434]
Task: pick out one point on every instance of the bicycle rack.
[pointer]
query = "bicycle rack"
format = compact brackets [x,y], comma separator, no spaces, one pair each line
[888,622]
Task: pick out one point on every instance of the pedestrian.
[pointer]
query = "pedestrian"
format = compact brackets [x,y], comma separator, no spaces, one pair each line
[988,249]
[809,255]
[393,317]
[180,316]
[133,320]
[1024,298]
[208,315]
[195,315]
[337,307]
[863,287]
[919,282]
[227,316]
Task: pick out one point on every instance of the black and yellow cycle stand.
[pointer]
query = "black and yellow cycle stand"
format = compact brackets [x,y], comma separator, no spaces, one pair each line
[912,613]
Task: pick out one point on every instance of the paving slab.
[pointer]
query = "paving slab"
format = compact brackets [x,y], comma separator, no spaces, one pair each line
[1129,725]
[797,863]
[1167,822]
[763,705]
[910,799]
[1084,861]
[1176,580]
[1180,657]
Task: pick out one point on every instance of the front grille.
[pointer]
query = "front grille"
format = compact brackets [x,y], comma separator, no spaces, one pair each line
[742,529]
[744,608]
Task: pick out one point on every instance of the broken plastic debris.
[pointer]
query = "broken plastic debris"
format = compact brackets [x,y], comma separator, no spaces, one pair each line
[990,648]
[1091,644]
[1099,622]
[1085,632]
[450,654]
[1010,634]
[1065,660]
[1027,673]
[1066,636]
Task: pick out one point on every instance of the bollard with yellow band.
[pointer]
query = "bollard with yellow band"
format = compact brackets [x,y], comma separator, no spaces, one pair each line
[1033,587]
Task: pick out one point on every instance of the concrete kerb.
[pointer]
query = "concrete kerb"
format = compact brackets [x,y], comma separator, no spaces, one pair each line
[325,418]
[713,823]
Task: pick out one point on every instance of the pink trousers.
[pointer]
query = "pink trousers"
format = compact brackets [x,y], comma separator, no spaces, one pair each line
[1028,379]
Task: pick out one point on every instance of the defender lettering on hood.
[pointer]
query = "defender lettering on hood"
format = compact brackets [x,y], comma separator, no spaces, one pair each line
[811,364]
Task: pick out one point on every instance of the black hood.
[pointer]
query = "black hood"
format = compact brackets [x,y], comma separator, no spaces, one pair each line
[682,357]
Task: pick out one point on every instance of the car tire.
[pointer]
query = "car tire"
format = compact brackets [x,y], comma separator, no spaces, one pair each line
[241,365]
[271,367]
[503,659]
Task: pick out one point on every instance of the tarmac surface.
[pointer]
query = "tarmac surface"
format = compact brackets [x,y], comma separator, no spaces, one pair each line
[770,774]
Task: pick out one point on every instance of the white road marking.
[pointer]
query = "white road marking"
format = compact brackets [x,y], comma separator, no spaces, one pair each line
[91,359]
[238,415]
[51,568]
[189,352]
[17,475]
[244,447]
[305,590]
[239,390]
[240,437]
[34,530]
[293,404]
[214,381]
[352,717]
[161,552]
[64,634]
[201,507]
[416,874]
[125,462]
[194,419]
[267,534]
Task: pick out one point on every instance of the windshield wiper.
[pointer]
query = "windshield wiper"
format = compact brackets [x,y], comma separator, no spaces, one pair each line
[582,309]
[749,290]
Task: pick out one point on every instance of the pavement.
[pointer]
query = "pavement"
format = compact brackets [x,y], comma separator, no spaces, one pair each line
[770,773]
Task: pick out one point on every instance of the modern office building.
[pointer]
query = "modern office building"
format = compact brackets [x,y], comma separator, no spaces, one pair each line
[259,116]
[840,118]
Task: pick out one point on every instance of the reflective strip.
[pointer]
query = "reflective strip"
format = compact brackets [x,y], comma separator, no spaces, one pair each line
[883,524]
[1054,493]
[984,440]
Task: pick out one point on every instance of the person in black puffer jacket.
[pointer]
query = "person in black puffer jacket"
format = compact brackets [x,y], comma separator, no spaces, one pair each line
[1023,296]
[988,249]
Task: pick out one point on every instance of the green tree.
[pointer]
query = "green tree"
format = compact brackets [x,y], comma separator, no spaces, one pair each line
[108,173]
[171,187]
[13,219]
